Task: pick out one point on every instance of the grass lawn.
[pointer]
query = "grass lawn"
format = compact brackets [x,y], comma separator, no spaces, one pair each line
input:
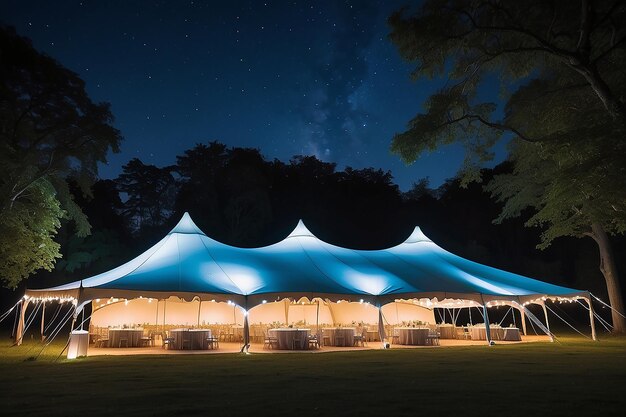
[573,377]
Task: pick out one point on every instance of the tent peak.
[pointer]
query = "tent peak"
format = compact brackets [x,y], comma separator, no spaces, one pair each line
[417,236]
[301,231]
[186,226]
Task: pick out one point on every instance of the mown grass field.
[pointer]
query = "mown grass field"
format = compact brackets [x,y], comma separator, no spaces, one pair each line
[573,377]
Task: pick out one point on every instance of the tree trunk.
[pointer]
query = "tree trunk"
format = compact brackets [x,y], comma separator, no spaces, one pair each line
[609,270]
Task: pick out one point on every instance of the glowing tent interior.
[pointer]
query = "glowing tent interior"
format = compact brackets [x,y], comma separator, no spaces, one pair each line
[189,266]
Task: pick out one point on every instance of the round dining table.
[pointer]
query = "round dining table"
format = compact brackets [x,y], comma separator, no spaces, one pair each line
[446,331]
[339,336]
[125,337]
[412,335]
[193,339]
[511,334]
[289,338]
[479,332]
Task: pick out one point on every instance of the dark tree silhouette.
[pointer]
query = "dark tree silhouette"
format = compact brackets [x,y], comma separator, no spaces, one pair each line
[50,130]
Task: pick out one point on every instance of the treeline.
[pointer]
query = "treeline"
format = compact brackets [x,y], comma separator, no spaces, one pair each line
[240,198]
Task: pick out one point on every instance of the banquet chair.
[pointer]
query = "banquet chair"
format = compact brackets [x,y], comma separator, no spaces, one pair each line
[213,342]
[466,333]
[102,342]
[432,338]
[395,336]
[314,341]
[360,339]
[296,342]
[187,342]
[147,340]
[325,339]
[269,341]
[167,340]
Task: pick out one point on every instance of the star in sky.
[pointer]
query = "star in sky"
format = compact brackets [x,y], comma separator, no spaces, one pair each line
[287,77]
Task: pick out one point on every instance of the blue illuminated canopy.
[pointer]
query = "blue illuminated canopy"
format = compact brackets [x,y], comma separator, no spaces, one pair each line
[188,263]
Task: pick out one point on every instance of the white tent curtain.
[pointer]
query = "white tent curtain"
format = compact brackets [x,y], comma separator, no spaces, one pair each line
[185,313]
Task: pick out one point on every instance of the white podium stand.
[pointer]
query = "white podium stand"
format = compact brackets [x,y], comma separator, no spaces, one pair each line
[79,342]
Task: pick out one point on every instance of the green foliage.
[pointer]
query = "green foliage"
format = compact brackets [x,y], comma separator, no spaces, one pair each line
[50,132]
[102,247]
[569,185]
[560,68]
[27,233]
[576,53]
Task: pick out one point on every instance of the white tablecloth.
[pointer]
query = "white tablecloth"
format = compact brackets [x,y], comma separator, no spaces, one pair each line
[372,335]
[133,337]
[412,335]
[340,336]
[197,338]
[446,331]
[511,333]
[480,332]
[287,336]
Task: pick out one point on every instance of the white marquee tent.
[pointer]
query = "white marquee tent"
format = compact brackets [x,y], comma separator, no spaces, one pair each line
[191,266]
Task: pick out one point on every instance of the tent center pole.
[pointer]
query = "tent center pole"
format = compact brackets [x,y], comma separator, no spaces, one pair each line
[381,325]
[246,328]
[487,328]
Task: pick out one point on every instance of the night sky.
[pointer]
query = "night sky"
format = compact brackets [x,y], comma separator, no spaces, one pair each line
[287,77]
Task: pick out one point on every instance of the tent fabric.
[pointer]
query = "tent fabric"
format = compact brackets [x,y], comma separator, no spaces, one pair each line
[188,264]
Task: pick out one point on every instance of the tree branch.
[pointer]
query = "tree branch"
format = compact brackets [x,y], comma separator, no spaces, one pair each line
[493,125]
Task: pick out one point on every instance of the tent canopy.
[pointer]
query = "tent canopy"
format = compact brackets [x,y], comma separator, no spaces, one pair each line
[189,264]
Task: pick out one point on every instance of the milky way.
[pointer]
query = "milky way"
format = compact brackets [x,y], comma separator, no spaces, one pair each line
[289,78]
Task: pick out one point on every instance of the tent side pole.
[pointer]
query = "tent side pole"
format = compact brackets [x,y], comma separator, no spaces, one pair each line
[545,314]
[523,314]
[164,305]
[317,318]
[19,334]
[591,321]
[43,318]
[487,328]
[246,328]
[199,307]
[330,310]
[287,302]
[381,326]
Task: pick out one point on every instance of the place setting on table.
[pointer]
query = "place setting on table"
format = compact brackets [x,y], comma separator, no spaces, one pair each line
[497,332]
[191,339]
[413,333]
[339,336]
[125,337]
[290,338]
